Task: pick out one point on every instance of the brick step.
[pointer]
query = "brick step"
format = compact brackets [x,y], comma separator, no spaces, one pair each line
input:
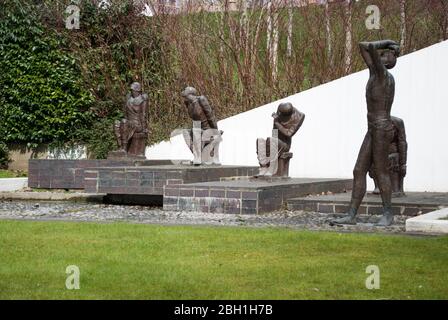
[245,196]
[70,174]
[150,180]
[411,204]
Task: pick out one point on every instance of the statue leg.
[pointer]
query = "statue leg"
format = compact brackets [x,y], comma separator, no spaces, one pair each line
[117,131]
[197,146]
[372,175]
[394,170]
[188,137]
[401,186]
[282,166]
[124,135]
[381,140]
[363,164]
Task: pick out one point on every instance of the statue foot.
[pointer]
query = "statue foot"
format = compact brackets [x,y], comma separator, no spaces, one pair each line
[262,171]
[350,219]
[398,194]
[386,220]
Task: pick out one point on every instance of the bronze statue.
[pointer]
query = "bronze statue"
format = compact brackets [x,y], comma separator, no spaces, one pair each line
[374,151]
[397,159]
[287,121]
[132,131]
[204,137]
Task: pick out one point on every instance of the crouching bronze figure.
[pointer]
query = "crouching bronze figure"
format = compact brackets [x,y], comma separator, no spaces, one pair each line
[204,138]
[273,153]
[132,131]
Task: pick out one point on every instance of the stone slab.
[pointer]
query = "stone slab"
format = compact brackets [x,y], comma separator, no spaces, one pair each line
[51,196]
[245,196]
[69,174]
[412,204]
[150,180]
[435,222]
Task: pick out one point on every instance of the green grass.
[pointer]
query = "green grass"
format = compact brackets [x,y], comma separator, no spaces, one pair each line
[11,174]
[121,261]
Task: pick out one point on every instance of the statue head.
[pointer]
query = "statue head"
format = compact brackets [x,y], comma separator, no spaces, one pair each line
[189,93]
[136,89]
[285,110]
[389,57]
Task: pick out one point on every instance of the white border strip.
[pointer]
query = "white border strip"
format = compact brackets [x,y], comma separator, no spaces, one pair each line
[429,223]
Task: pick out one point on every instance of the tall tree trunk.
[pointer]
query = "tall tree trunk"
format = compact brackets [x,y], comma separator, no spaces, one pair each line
[348,36]
[221,35]
[328,31]
[269,30]
[403,23]
[289,36]
[272,40]
[275,48]
[445,10]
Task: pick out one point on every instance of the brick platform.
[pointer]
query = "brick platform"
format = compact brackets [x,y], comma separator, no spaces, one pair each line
[69,174]
[413,204]
[141,180]
[244,196]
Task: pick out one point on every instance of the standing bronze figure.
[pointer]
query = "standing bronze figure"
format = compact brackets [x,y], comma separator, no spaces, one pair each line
[132,132]
[203,140]
[398,150]
[287,121]
[374,151]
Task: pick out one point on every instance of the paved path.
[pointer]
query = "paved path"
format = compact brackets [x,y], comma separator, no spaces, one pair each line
[78,211]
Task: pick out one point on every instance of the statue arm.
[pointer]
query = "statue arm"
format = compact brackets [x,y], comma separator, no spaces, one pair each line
[208,111]
[402,143]
[292,130]
[369,52]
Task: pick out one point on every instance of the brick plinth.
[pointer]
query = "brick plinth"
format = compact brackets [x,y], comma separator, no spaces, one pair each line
[69,174]
[246,196]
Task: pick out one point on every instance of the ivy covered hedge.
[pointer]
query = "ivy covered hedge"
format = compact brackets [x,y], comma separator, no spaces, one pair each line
[42,98]
[63,87]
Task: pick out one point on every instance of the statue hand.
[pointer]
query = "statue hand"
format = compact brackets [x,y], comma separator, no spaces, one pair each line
[396,48]
[403,170]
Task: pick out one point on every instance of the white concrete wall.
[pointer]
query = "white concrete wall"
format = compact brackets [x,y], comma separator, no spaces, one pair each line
[329,140]
[13,184]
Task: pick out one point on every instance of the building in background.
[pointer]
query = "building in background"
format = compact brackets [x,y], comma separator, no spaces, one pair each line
[180,6]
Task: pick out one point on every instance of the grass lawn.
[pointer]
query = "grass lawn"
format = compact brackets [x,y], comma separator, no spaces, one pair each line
[11,174]
[135,261]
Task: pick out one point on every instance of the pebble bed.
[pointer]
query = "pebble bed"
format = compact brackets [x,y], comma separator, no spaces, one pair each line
[95,212]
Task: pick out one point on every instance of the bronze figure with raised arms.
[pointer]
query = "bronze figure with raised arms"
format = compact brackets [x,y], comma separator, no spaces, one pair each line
[380,56]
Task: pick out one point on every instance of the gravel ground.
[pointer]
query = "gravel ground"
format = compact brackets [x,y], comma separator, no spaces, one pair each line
[78,211]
